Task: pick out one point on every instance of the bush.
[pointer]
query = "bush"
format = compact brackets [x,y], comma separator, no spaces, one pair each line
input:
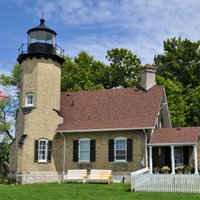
[8,181]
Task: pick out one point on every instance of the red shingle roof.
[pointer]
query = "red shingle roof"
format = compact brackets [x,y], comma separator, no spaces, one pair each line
[175,135]
[110,109]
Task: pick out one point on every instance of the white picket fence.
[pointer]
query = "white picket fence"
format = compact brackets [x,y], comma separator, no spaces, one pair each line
[187,183]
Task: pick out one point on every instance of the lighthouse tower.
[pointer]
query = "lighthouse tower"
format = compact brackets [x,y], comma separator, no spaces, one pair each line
[32,153]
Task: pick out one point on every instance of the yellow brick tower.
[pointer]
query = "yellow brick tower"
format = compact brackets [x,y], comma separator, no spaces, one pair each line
[32,153]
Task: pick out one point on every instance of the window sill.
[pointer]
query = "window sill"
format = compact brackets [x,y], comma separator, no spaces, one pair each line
[42,162]
[83,162]
[120,161]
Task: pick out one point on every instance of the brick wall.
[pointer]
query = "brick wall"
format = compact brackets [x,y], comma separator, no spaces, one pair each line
[102,151]
[41,77]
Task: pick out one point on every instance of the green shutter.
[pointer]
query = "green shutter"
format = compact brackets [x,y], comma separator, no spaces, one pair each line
[36,151]
[111,150]
[75,151]
[92,150]
[49,151]
[129,150]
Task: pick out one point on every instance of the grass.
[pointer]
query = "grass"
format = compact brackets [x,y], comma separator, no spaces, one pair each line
[83,191]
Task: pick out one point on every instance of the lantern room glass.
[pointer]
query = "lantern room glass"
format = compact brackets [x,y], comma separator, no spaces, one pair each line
[41,36]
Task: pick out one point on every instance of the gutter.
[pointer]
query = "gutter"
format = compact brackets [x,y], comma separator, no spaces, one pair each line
[106,129]
[173,144]
[64,156]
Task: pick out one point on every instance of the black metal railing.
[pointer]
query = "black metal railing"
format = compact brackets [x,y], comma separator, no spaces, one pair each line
[44,48]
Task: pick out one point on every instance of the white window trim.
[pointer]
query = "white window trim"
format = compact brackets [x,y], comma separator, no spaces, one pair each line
[46,150]
[79,150]
[120,138]
[26,99]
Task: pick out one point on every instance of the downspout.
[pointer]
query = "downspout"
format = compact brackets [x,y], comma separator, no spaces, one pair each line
[146,153]
[64,157]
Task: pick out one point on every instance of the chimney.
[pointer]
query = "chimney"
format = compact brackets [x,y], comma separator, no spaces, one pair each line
[148,76]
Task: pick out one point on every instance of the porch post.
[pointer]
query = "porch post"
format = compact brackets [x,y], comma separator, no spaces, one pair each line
[150,160]
[172,160]
[195,160]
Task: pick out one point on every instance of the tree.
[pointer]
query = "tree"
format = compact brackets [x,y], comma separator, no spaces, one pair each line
[176,101]
[4,157]
[124,69]
[84,73]
[8,108]
[180,61]
[179,68]
[13,79]
[193,105]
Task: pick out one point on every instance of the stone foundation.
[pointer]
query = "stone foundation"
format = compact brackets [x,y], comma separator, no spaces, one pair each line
[36,177]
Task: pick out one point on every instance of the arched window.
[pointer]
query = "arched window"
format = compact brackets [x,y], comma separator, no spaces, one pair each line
[29,100]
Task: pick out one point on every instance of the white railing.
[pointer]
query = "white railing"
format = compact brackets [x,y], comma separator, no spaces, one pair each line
[138,173]
[187,183]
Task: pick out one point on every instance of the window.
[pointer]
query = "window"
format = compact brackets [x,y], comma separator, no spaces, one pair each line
[120,149]
[43,150]
[29,101]
[159,122]
[84,150]
[178,155]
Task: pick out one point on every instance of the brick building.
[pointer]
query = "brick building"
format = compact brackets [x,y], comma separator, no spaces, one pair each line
[106,129]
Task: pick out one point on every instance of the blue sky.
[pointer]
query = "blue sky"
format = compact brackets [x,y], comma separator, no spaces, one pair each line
[96,26]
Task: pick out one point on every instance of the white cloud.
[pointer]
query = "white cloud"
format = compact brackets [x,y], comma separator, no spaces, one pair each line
[140,25]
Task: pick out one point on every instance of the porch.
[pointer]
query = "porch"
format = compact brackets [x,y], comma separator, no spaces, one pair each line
[179,158]
[175,148]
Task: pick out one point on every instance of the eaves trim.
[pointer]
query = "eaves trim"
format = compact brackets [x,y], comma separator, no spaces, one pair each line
[173,144]
[102,130]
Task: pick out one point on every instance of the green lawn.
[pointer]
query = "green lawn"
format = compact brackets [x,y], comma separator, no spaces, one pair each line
[83,192]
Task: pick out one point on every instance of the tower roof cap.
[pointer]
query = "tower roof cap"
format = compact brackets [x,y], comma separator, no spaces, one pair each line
[41,27]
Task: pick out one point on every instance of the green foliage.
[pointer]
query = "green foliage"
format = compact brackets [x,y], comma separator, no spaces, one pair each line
[176,101]
[124,69]
[8,108]
[178,69]
[193,106]
[13,79]
[180,61]
[4,152]
[84,73]
[8,181]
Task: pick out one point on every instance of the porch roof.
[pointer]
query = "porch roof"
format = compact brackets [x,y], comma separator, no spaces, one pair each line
[125,108]
[187,135]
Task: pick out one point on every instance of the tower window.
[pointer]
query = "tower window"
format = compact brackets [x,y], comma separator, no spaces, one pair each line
[29,101]
[43,150]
